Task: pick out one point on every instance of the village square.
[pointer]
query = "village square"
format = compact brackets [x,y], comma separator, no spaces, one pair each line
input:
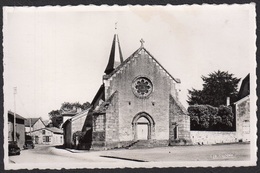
[137,115]
[135,109]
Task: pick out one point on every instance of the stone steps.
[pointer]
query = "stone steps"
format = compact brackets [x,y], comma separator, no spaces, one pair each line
[142,144]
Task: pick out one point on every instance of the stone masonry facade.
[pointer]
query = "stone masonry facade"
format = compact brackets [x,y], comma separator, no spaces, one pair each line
[120,124]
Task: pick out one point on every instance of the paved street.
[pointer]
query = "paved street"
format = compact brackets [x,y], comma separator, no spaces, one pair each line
[47,154]
[232,152]
[40,154]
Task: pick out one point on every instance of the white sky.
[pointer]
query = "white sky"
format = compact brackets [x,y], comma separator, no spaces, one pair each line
[59,54]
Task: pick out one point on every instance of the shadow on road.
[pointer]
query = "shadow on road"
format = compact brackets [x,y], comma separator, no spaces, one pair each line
[113,157]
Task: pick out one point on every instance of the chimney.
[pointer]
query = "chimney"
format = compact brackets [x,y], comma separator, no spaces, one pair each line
[78,109]
[228,101]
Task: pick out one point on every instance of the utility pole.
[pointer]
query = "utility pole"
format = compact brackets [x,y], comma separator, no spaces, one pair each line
[15,90]
[30,126]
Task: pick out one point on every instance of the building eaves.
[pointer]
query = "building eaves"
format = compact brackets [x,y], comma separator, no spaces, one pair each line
[16,115]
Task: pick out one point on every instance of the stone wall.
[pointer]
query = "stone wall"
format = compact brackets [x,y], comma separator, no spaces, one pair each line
[243,119]
[78,122]
[184,127]
[98,134]
[179,124]
[209,137]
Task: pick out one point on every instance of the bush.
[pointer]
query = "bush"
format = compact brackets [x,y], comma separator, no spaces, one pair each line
[209,118]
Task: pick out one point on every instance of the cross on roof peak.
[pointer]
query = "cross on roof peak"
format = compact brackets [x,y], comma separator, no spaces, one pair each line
[142,42]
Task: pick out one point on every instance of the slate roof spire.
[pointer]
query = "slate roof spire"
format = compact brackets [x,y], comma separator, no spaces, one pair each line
[116,57]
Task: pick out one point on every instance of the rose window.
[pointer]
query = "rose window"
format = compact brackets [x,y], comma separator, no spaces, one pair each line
[142,87]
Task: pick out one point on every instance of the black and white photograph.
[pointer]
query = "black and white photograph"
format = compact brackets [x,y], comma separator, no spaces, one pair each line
[129,86]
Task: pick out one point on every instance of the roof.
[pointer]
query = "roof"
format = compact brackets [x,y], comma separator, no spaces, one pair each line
[242,100]
[100,95]
[75,117]
[33,121]
[113,55]
[133,56]
[16,115]
[244,88]
[46,122]
[65,123]
[182,108]
[103,107]
[81,114]
[52,129]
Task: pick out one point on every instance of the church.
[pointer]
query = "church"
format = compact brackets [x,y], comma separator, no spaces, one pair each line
[137,104]
[138,101]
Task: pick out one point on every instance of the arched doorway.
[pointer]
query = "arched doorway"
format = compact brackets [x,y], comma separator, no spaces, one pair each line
[143,126]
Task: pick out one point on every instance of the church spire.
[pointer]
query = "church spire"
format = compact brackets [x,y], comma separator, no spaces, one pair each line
[116,57]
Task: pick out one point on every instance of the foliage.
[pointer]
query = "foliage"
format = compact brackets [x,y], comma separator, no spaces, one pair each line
[216,88]
[56,118]
[227,117]
[66,106]
[56,115]
[206,117]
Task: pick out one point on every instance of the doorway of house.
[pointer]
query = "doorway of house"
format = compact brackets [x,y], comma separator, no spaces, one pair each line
[36,139]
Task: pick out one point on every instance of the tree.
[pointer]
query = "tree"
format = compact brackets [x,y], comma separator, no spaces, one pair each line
[56,115]
[66,106]
[56,118]
[216,88]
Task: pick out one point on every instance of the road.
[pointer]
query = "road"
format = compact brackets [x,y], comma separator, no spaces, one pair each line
[40,154]
[46,154]
[52,155]
[231,152]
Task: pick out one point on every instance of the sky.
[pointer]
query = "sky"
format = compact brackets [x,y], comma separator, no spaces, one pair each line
[59,54]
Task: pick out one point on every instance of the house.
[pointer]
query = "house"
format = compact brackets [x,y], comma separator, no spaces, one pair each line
[242,109]
[32,124]
[77,123]
[48,136]
[68,114]
[20,128]
[136,104]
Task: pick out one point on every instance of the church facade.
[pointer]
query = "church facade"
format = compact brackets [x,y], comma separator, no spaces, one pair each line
[137,104]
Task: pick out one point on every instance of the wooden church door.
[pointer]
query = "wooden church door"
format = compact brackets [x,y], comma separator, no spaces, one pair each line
[142,129]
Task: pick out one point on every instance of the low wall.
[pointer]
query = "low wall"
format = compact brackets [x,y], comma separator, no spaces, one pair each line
[209,137]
